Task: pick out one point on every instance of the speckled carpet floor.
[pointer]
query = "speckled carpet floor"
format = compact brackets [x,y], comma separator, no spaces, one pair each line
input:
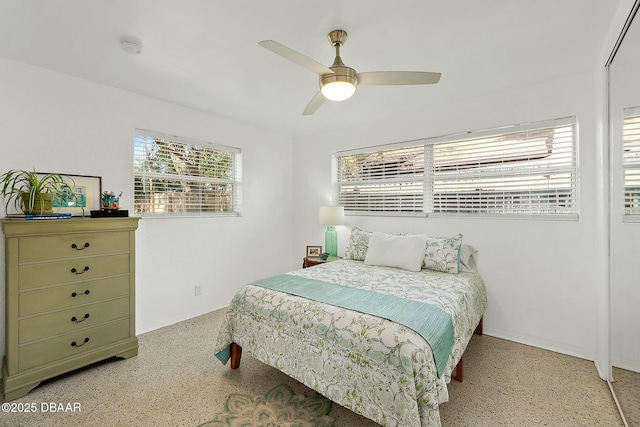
[627,388]
[176,381]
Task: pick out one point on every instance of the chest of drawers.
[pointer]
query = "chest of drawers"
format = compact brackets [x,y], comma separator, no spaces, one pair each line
[70,297]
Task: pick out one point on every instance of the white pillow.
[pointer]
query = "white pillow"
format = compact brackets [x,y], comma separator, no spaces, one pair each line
[406,252]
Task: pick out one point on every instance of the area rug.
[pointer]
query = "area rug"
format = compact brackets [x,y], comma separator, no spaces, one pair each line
[279,407]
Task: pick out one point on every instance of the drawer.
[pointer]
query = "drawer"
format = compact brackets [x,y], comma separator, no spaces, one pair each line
[42,300]
[61,347]
[73,319]
[43,248]
[71,270]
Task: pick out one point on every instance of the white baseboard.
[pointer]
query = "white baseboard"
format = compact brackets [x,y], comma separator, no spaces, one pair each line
[557,347]
[170,322]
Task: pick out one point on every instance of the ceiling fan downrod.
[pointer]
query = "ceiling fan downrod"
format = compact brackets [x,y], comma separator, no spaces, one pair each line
[342,75]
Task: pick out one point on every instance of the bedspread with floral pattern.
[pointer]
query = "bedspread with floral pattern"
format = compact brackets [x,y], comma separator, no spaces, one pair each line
[375,367]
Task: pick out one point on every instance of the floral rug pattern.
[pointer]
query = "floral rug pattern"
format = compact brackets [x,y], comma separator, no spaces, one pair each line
[279,407]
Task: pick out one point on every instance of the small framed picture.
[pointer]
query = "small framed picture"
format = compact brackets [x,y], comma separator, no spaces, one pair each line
[314,251]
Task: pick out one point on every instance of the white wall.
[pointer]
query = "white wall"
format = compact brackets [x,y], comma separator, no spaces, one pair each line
[542,277]
[53,122]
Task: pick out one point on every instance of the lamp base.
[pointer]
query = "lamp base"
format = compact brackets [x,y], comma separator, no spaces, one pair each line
[331,241]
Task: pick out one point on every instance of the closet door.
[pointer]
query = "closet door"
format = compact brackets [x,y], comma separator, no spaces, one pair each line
[624,121]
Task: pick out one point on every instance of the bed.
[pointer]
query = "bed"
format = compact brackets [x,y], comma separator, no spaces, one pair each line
[377,364]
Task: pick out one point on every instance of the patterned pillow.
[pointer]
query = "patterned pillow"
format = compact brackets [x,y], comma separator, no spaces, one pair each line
[468,259]
[443,254]
[358,244]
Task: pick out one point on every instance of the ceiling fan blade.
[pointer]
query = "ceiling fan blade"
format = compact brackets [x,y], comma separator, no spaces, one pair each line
[314,104]
[294,56]
[398,78]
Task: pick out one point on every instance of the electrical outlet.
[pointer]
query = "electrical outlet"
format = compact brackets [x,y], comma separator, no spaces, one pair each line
[198,290]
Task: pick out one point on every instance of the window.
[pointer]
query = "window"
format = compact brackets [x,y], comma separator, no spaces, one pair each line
[387,180]
[177,176]
[631,162]
[523,170]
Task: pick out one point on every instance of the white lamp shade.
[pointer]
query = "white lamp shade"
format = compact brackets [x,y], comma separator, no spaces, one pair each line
[331,215]
[338,91]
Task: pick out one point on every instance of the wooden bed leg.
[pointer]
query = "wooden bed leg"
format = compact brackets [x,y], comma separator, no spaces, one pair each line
[460,366]
[236,354]
[460,369]
[479,327]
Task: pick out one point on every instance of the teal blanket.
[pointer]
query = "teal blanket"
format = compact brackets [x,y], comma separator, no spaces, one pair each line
[431,322]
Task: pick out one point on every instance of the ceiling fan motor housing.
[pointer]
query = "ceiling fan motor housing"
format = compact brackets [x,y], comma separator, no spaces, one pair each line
[340,84]
[340,73]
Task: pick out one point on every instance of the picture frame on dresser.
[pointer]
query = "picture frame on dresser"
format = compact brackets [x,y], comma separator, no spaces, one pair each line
[87,190]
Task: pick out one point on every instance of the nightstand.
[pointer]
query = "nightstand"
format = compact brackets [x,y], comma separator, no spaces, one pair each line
[310,261]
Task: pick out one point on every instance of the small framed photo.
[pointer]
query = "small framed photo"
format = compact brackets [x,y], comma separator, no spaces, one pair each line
[87,191]
[314,251]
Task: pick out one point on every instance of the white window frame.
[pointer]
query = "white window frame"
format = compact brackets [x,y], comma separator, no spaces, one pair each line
[216,196]
[554,196]
[631,164]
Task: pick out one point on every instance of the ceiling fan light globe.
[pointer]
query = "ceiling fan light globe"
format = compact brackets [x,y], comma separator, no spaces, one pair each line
[338,91]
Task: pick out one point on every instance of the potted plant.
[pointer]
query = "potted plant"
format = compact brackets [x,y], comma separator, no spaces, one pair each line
[110,201]
[34,193]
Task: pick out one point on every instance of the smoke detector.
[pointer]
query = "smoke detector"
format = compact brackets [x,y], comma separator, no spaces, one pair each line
[131,46]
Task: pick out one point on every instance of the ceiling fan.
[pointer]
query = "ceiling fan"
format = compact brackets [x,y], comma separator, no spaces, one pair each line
[338,82]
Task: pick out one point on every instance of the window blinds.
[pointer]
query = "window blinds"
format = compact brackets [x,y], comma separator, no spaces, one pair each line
[386,180]
[175,176]
[631,161]
[528,172]
[519,170]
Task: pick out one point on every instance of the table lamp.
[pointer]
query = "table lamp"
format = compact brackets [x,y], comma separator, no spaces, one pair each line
[331,216]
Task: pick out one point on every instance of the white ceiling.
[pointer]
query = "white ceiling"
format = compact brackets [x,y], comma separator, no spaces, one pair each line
[204,53]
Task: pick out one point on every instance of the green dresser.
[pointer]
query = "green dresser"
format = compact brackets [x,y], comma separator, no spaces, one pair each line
[70,297]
